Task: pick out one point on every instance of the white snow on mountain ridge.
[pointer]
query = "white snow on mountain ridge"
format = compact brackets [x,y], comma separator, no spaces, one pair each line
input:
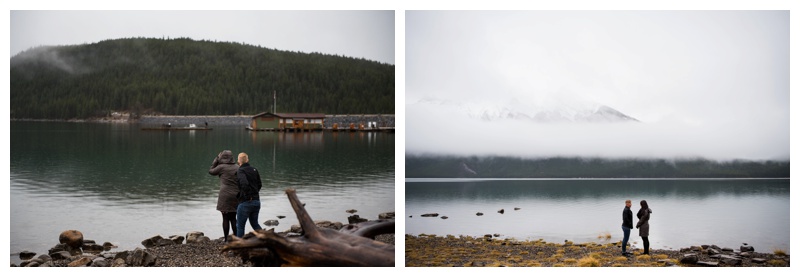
[555,111]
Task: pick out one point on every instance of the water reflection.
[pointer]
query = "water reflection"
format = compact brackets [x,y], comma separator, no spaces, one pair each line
[117,183]
[572,189]
[120,161]
[686,212]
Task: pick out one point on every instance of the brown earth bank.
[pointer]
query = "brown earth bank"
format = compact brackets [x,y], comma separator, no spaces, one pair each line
[464,251]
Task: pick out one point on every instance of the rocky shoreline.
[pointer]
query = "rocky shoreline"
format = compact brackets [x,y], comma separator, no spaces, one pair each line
[192,250]
[488,251]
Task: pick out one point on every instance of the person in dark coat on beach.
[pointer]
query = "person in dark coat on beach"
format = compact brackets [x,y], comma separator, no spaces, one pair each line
[644,225]
[225,167]
[627,225]
[249,202]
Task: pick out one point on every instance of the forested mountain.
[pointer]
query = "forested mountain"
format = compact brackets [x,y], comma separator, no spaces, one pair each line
[188,77]
[564,167]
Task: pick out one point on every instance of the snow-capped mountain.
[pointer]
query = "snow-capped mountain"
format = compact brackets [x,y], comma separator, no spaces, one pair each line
[557,111]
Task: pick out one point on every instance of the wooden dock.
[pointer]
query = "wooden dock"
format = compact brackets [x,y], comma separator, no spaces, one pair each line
[177,129]
[330,129]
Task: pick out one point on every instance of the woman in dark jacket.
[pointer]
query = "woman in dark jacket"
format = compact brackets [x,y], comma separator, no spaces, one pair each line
[644,225]
[225,167]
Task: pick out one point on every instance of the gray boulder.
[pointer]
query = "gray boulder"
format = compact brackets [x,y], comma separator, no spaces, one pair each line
[26,255]
[430,215]
[118,263]
[31,263]
[730,260]
[689,259]
[122,255]
[93,248]
[176,239]
[140,257]
[99,262]
[329,225]
[107,246]
[353,219]
[60,255]
[83,261]
[386,215]
[157,240]
[45,257]
[666,262]
[271,222]
[192,237]
[747,248]
[708,264]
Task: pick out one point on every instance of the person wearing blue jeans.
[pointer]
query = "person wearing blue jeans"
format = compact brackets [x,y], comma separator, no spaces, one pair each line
[627,225]
[249,203]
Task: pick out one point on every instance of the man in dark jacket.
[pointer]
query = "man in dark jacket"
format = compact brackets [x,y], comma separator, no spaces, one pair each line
[627,225]
[249,203]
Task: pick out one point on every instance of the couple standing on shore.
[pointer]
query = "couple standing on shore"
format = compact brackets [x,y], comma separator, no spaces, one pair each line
[238,193]
[643,225]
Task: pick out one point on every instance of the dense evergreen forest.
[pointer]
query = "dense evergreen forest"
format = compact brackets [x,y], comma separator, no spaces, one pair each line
[564,167]
[188,77]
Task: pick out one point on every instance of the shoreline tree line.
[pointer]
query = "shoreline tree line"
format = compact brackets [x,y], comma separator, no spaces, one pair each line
[436,166]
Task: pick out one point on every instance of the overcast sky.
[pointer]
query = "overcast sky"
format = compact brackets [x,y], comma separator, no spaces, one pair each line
[359,34]
[713,84]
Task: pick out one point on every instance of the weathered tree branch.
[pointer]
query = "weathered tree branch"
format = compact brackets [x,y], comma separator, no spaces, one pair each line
[320,246]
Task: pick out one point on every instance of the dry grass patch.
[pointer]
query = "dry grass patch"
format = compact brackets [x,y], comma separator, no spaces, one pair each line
[643,257]
[779,252]
[777,262]
[597,255]
[570,261]
[588,262]
[660,257]
[620,259]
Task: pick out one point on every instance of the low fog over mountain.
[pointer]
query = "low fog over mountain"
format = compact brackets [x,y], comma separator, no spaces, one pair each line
[516,110]
[664,85]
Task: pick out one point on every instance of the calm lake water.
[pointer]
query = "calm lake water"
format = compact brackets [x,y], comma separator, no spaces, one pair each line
[725,212]
[117,183]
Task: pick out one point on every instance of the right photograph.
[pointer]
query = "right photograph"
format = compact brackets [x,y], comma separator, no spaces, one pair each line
[597,138]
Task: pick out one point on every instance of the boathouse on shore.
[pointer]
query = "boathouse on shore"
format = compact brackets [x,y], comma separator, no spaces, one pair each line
[287,122]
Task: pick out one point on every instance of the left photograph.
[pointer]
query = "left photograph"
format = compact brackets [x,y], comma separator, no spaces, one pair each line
[202,138]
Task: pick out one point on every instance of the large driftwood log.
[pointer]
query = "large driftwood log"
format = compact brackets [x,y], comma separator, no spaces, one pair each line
[319,246]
